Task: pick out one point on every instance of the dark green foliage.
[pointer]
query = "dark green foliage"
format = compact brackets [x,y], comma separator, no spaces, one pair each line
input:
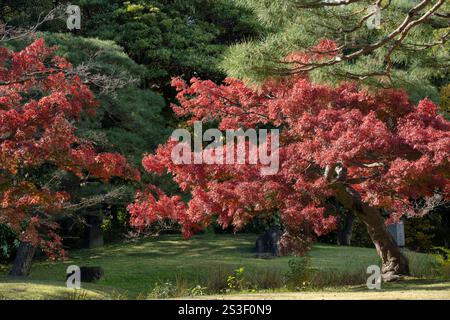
[23,13]
[8,243]
[422,234]
[360,237]
[115,224]
[171,38]
[258,224]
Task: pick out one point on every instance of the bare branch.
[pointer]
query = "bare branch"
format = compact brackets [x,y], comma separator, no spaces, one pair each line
[95,200]
[88,72]
[312,4]
[12,33]
[430,203]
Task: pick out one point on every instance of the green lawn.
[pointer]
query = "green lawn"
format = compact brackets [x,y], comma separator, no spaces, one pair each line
[132,269]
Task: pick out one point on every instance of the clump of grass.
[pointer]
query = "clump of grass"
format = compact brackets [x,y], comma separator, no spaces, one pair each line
[336,278]
[226,279]
[216,280]
[77,294]
[116,295]
[303,277]
[423,266]
[300,274]
[266,278]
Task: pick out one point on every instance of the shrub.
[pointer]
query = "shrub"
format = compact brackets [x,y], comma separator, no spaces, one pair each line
[300,274]
[198,290]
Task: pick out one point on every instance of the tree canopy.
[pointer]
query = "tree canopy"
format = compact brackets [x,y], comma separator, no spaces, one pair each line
[40,100]
[168,37]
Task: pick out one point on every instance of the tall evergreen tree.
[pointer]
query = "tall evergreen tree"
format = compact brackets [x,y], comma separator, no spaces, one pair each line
[408,48]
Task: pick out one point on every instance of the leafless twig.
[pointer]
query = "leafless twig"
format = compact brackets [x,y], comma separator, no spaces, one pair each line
[8,33]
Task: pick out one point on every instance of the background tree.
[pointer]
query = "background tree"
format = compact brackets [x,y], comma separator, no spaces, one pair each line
[41,100]
[23,13]
[128,120]
[408,49]
[170,37]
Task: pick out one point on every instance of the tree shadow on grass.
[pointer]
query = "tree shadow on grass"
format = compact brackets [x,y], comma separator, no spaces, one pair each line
[411,285]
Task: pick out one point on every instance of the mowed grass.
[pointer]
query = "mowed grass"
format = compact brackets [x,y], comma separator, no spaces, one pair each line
[412,289]
[34,290]
[132,269]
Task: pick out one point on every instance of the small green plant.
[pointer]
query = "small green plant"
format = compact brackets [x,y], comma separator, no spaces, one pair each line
[163,290]
[106,224]
[198,290]
[236,281]
[123,217]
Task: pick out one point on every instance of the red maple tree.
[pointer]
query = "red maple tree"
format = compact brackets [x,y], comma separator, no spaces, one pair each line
[371,151]
[40,102]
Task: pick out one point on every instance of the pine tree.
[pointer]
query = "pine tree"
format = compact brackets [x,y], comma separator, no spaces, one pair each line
[407,49]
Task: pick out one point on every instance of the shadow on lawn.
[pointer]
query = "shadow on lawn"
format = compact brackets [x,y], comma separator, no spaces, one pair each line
[412,284]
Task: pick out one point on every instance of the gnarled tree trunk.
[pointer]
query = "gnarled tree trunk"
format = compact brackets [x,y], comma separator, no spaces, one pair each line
[394,263]
[24,258]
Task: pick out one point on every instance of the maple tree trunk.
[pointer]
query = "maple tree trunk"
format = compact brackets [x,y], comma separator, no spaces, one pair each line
[24,258]
[394,263]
